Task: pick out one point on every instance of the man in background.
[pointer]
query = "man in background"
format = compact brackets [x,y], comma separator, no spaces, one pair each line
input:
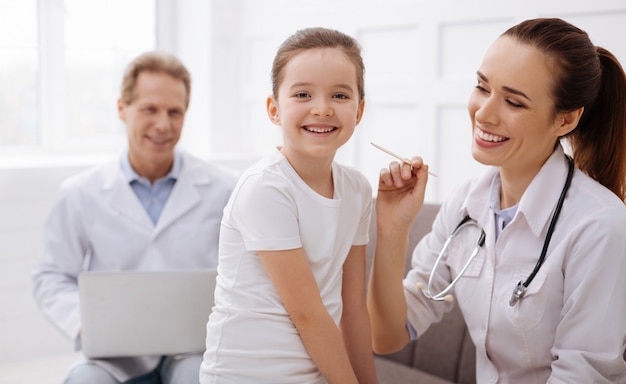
[153,208]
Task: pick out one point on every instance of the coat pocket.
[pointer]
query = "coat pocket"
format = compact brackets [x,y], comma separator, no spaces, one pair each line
[530,310]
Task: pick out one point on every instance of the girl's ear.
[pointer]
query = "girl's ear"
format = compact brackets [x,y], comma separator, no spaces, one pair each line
[359,112]
[567,121]
[272,110]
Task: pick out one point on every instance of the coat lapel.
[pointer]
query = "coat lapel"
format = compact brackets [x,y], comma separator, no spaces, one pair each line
[185,195]
[122,199]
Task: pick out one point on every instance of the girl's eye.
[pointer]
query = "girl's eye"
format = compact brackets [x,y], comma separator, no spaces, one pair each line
[341,96]
[301,95]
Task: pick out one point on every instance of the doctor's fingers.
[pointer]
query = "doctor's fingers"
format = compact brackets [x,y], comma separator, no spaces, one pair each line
[397,174]
[407,168]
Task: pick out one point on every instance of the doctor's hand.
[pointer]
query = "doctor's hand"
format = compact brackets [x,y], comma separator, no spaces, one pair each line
[401,189]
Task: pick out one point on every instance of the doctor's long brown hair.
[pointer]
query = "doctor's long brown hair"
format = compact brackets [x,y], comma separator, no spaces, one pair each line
[591,77]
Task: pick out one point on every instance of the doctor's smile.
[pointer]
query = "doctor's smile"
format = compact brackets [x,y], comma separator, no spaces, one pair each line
[482,136]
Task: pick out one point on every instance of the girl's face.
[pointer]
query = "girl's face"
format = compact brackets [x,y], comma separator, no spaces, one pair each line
[318,103]
[514,124]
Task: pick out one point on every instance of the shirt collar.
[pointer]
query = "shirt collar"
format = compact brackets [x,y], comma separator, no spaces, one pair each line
[503,216]
[130,175]
[494,202]
[537,202]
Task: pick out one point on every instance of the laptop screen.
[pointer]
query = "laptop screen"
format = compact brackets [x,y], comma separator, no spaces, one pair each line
[132,313]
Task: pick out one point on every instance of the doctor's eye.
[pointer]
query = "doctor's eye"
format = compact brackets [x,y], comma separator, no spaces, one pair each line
[514,104]
[480,88]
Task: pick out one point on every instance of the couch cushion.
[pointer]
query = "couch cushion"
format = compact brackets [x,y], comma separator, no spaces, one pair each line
[390,372]
[446,350]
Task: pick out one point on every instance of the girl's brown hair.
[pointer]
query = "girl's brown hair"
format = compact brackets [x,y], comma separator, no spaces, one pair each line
[317,37]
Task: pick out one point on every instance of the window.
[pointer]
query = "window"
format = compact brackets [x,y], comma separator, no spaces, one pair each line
[61,63]
[19,120]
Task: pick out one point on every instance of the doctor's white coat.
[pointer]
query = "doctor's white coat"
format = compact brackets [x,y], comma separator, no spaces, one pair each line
[98,223]
[570,326]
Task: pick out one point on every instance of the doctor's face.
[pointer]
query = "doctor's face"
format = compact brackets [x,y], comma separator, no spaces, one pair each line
[154,121]
[514,123]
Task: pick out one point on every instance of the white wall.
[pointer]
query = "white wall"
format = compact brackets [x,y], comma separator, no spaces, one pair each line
[420,58]
[26,195]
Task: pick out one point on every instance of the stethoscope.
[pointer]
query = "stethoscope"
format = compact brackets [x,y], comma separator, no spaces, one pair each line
[520,287]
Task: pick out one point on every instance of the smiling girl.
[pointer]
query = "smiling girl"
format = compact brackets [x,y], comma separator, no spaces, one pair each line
[290,297]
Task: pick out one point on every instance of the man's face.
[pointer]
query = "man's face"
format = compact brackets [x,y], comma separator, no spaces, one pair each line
[154,120]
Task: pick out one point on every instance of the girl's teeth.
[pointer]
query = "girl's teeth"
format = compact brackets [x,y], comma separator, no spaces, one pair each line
[319,130]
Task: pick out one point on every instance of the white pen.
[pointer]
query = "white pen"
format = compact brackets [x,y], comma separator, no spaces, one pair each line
[403,159]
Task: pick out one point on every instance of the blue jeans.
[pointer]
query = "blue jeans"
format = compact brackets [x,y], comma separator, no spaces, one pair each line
[171,370]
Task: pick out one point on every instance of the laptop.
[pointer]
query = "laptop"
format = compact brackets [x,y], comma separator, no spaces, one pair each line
[136,313]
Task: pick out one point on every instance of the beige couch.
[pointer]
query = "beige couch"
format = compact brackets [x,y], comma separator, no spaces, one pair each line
[445,353]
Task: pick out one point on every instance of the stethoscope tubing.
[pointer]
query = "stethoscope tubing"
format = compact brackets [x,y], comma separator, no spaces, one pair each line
[520,287]
[479,243]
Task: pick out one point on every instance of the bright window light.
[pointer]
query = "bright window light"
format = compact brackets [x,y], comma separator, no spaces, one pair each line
[61,63]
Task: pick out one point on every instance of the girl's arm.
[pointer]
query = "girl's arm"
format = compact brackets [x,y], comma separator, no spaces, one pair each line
[292,277]
[355,323]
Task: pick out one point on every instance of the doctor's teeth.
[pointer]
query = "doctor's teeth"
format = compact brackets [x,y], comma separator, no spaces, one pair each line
[488,137]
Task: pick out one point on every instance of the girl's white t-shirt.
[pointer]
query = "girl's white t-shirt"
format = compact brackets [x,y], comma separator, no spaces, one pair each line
[250,336]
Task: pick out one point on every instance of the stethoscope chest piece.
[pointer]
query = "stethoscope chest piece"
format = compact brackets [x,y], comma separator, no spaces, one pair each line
[518,293]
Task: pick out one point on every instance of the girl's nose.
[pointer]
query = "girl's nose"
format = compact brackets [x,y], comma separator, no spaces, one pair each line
[322,108]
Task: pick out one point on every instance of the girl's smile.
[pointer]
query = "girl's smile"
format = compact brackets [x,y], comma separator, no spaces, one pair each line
[319,128]
[317,105]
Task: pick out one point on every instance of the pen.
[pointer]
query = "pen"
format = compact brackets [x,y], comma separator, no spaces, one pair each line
[403,159]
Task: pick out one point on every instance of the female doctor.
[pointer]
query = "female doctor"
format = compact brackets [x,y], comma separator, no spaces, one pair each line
[537,252]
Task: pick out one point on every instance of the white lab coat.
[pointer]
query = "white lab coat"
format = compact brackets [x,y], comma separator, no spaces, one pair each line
[98,223]
[571,325]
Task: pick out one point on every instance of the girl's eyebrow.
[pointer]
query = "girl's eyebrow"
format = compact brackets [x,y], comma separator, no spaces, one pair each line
[508,89]
[345,86]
